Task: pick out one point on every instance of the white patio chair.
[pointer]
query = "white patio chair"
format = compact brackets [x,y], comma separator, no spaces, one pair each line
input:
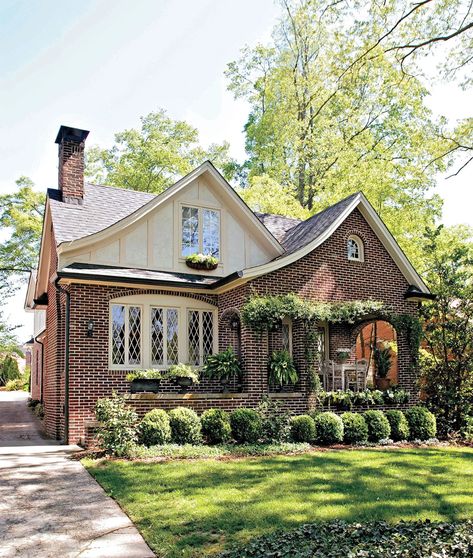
[361,367]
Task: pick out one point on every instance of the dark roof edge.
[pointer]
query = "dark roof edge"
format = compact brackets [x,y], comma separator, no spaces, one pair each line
[415,293]
[157,282]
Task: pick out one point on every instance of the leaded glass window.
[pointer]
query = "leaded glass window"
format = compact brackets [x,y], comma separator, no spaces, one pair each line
[118,334]
[200,336]
[286,334]
[126,335]
[164,336]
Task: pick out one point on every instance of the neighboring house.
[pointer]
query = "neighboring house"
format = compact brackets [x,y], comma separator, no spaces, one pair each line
[117,295]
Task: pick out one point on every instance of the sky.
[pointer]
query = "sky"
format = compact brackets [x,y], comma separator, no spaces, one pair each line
[100,65]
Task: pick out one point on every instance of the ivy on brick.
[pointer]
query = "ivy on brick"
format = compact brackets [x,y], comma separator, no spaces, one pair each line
[265,313]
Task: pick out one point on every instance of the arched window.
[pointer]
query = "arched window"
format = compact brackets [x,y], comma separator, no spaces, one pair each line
[355,249]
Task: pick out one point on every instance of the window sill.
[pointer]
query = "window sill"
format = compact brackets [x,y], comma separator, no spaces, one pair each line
[285,394]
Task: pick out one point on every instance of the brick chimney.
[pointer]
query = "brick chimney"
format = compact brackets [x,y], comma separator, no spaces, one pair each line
[71,163]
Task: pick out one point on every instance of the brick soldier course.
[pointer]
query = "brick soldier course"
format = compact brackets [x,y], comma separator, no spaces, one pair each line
[73,381]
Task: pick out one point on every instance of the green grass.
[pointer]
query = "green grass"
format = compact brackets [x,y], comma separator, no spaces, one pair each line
[194,508]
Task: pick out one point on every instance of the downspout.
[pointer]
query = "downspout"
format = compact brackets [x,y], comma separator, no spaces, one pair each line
[66,363]
[42,365]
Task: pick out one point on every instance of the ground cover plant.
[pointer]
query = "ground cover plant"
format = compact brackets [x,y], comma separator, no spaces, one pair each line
[376,540]
[196,508]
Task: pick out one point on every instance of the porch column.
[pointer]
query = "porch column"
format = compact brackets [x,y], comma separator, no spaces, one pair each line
[254,358]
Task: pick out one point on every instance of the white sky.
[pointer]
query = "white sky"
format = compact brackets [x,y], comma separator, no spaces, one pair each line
[101,64]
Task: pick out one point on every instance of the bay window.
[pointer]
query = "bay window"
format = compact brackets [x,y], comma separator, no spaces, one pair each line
[157,331]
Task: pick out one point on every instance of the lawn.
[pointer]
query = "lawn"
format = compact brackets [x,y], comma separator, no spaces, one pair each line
[194,508]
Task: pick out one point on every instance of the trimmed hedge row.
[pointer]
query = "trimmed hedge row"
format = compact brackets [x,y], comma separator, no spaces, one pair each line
[371,426]
[245,426]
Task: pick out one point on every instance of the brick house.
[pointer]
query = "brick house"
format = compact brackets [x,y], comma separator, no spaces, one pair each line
[113,292]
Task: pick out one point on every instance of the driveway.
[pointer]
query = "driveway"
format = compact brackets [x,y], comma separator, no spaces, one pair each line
[49,505]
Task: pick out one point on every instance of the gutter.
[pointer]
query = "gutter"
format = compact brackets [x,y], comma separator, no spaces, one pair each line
[66,358]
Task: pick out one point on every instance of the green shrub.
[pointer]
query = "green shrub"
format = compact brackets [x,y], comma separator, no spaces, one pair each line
[275,423]
[216,426]
[399,425]
[378,426]
[281,369]
[355,429]
[154,429]
[303,428]
[328,428]
[15,385]
[422,423]
[223,366]
[117,432]
[246,425]
[185,426]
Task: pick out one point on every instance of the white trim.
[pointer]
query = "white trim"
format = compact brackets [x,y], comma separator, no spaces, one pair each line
[164,196]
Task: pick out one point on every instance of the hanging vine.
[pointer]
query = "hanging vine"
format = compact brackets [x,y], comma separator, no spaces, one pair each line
[265,313]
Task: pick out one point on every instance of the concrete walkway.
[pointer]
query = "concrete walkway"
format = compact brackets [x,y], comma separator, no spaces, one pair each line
[49,505]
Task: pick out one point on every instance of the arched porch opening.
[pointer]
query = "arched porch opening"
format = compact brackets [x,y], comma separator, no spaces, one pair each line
[376,343]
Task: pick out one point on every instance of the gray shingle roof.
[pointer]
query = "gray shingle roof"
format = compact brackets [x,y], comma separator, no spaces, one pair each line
[278,225]
[312,228]
[105,205]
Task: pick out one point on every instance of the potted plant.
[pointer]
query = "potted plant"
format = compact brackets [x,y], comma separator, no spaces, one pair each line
[382,359]
[184,375]
[342,355]
[282,371]
[202,262]
[223,366]
[144,380]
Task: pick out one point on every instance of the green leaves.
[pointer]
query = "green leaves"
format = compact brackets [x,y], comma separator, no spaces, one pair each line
[156,155]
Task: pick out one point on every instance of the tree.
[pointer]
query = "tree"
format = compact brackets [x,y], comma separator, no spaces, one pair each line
[265,195]
[152,158]
[21,217]
[9,369]
[447,365]
[325,121]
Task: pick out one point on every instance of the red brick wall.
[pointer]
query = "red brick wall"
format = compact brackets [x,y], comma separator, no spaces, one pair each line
[325,274]
[53,384]
[71,170]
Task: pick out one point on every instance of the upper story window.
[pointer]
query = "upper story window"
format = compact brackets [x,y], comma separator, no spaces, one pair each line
[355,250]
[200,231]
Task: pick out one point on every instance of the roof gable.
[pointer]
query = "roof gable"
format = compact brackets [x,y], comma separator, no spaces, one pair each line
[310,234]
[146,203]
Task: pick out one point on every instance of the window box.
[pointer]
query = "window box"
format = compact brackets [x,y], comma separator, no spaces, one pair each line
[140,385]
[202,266]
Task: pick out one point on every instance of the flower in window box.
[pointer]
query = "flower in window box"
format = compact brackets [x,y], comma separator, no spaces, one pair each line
[202,262]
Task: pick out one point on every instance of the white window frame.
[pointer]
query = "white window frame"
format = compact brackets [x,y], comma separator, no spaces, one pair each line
[146,302]
[361,249]
[200,209]
[288,322]
[126,365]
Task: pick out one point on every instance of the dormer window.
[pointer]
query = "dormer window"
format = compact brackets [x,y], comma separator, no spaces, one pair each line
[200,231]
[355,249]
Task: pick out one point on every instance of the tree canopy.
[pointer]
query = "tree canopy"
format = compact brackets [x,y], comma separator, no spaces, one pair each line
[156,155]
[334,110]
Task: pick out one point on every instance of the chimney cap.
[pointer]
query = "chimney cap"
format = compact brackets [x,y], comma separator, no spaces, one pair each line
[71,134]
